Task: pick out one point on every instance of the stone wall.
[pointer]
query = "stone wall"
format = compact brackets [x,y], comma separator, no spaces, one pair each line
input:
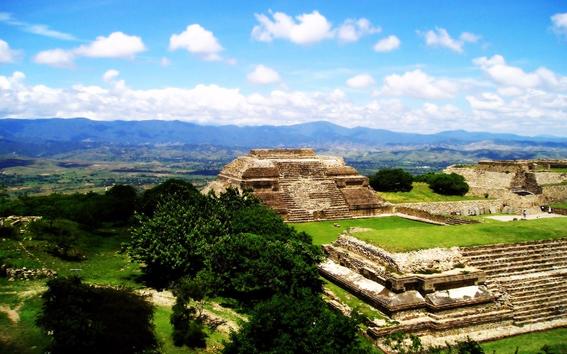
[553,194]
[484,179]
[464,207]
[550,177]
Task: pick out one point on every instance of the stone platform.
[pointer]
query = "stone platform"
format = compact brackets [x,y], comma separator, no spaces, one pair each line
[487,292]
[300,185]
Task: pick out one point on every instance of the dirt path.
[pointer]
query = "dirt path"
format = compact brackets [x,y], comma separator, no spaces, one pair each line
[12,314]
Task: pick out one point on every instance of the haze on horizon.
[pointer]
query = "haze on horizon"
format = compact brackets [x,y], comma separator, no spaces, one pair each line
[416,66]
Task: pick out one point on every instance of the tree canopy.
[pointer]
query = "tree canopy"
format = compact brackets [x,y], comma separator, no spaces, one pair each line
[391,180]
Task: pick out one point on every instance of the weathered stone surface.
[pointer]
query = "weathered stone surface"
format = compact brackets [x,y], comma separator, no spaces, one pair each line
[301,185]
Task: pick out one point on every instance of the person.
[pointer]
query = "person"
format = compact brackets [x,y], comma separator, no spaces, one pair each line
[524,213]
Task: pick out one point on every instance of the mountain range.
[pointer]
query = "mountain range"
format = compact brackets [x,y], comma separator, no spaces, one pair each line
[57,133]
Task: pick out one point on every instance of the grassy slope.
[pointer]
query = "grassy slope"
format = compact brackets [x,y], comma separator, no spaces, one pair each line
[397,234]
[421,193]
[105,266]
[530,343]
[562,205]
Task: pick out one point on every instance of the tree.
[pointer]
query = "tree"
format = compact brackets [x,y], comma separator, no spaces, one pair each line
[177,238]
[186,319]
[81,318]
[121,202]
[448,184]
[170,189]
[301,324]
[391,180]
[251,268]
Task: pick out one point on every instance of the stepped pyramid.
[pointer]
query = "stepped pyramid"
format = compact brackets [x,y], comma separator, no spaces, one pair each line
[300,185]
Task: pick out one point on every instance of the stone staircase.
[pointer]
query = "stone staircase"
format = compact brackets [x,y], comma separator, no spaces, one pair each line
[324,191]
[533,276]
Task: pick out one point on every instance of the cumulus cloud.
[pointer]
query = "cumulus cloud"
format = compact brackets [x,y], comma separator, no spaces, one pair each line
[7,54]
[387,44]
[502,73]
[533,111]
[352,30]
[39,29]
[559,23]
[263,75]
[110,75]
[418,84]
[116,45]
[164,62]
[306,28]
[441,38]
[197,40]
[309,28]
[360,81]
[58,58]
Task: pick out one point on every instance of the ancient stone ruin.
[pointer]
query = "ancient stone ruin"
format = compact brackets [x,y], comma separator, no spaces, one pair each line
[300,185]
[444,295]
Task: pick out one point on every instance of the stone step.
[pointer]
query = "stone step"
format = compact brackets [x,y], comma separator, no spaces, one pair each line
[520,291]
[537,319]
[499,272]
[557,261]
[515,254]
[562,277]
[538,314]
[469,251]
[542,299]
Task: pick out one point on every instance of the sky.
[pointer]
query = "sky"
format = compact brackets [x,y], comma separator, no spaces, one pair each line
[415,66]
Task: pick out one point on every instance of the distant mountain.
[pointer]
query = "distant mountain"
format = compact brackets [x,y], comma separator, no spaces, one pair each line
[70,133]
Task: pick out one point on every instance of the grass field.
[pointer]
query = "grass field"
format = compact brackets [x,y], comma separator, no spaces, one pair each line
[421,193]
[398,234]
[105,265]
[562,205]
[530,343]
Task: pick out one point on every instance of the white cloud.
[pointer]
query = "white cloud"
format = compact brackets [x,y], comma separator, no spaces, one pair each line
[502,73]
[197,40]
[116,45]
[559,23]
[387,44]
[360,81]
[263,75]
[58,58]
[441,38]
[352,30]
[418,84]
[534,111]
[7,54]
[38,29]
[110,75]
[307,28]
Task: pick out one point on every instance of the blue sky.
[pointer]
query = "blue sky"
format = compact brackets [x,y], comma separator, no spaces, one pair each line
[420,66]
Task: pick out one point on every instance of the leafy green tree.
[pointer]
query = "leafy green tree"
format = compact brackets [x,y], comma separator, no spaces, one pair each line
[177,238]
[391,180]
[186,319]
[448,184]
[296,324]
[81,318]
[170,189]
[121,203]
[251,267]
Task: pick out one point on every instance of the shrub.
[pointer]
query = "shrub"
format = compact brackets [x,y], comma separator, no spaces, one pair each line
[81,318]
[7,231]
[448,184]
[303,324]
[391,180]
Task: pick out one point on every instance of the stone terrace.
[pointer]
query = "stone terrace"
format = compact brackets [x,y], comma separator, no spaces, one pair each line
[300,185]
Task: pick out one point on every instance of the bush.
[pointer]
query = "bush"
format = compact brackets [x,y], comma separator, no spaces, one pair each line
[81,318]
[303,324]
[448,184]
[391,180]
[7,231]
[62,239]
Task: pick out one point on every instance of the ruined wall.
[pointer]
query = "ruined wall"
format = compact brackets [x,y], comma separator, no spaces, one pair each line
[481,180]
[464,207]
[550,177]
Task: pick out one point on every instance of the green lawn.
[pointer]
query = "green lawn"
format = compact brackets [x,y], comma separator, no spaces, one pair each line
[326,231]
[530,343]
[422,193]
[398,234]
[353,302]
[562,205]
